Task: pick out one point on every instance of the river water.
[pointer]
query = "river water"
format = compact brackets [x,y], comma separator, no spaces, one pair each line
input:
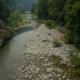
[11,54]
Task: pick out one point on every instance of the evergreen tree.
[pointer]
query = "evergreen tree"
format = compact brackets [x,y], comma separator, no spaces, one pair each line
[42,9]
[4,11]
[33,8]
[72,9]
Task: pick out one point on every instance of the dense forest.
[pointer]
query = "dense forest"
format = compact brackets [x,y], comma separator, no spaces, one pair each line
[11,11]
[62,12]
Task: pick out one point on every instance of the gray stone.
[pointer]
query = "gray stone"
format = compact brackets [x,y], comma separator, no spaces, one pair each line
[58,75]
[63,76]
[26,76]
[22,67]
[49,69]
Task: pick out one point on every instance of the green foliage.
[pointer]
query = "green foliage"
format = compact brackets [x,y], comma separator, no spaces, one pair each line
[56,43]
[50,24]
[6,34]
[42,9]
[72,9]
[74,58]
[16,19]
[20,7]
[33,8]
[67,38]
[49,33]
[26,3]
[55,9]
[4,11]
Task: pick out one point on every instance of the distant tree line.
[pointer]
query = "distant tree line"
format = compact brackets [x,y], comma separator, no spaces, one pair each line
[63,12]
[26,4]
[11,11]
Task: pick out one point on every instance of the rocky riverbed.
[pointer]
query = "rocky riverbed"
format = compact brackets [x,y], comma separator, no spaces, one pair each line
[43,61]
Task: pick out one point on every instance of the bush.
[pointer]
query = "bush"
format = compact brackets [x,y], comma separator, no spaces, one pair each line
[68,38]
[6,34]
[50,24]
[16,19]
[45,40]
[74,58]
[56,43]
[49,33]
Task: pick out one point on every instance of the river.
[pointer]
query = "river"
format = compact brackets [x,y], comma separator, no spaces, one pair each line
[11,54]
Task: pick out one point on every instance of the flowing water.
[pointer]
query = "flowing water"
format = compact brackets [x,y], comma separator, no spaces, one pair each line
[11,54]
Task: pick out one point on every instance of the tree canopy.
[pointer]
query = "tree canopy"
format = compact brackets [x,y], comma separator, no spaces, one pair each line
[4,11]
[63,12]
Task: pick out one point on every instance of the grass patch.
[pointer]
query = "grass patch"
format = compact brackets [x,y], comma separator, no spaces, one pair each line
[56,43]
[45,40]
[50,24]
[49,33]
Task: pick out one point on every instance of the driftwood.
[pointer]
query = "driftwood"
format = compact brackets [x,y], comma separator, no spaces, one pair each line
[62,29]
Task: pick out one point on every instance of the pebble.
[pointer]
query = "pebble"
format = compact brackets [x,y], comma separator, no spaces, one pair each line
[49,69]
[37,54]
[63,77]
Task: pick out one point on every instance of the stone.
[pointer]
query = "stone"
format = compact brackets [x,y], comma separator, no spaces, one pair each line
[45,77]
[50,76]
[22,67]
[49,69]
[48,64]
[58,75]
[63,76]
[26,76]
[59,78]
[30,76]
[46,60]
[22,76]
[42,58]
[23,71]
[17,79]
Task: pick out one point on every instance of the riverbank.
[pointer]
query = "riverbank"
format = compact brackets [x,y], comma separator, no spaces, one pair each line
[43,61]
[5,34]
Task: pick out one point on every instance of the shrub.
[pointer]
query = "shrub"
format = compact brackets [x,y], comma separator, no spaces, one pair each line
[45,40]
[68,37]
[50,24]
[16,19]
[56,43]
[6,34]
[49,33]
[74,58]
